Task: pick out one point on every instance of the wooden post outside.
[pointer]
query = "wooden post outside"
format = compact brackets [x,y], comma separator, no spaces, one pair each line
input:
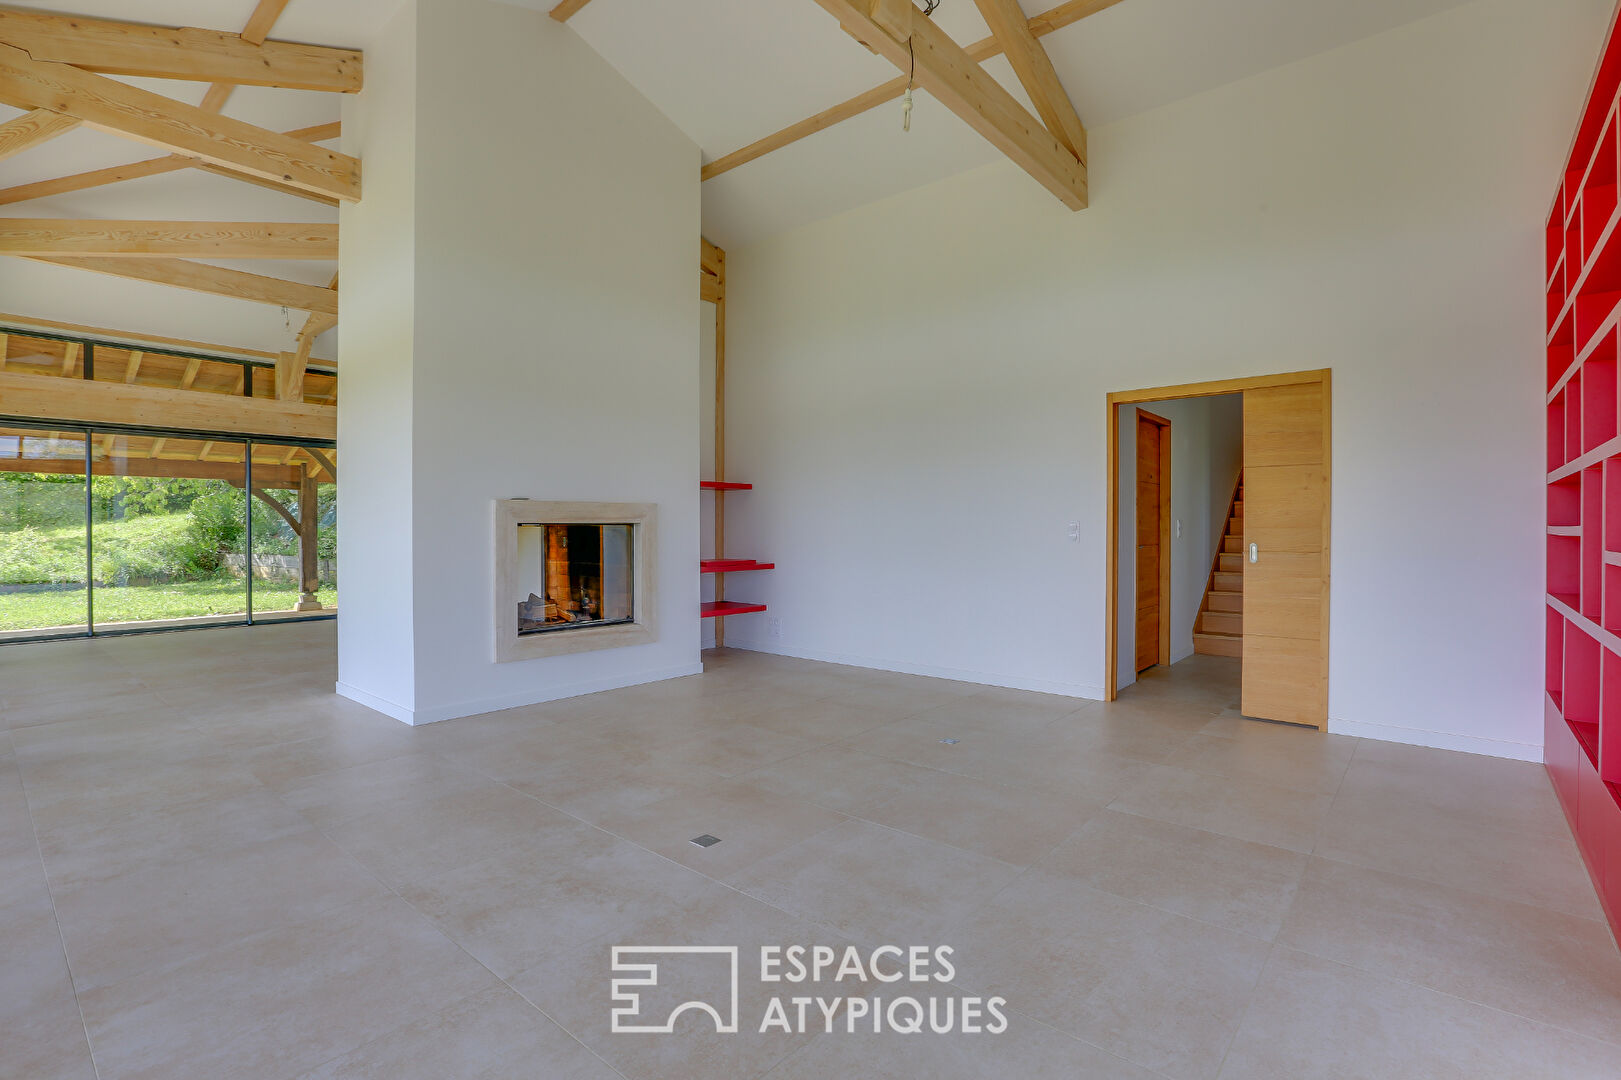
[308,545]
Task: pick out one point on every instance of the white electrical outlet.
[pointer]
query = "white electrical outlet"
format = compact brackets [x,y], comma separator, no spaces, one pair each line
[1075,532]
[773,628]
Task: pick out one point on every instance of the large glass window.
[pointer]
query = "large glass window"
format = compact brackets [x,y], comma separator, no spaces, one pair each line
[295,532]
[168,531]
[42,533]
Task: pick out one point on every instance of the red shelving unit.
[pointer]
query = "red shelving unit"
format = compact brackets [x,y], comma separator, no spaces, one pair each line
[717,608]
[720,565]
[1582,708]
[732,566]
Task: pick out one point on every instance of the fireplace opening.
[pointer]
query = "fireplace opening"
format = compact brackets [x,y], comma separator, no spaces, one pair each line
[575,576]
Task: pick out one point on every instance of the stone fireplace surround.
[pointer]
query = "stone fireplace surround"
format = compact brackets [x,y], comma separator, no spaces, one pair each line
[509,514]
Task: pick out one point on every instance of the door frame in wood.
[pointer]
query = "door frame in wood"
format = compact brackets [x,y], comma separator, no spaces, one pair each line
[1164,426]
[1215,388]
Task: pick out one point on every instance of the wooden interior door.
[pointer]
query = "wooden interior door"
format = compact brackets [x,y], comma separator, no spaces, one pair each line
[1286,533]
[1153,626]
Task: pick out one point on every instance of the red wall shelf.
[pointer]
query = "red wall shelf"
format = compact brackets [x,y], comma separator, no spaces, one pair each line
[717,608]
[1582,709]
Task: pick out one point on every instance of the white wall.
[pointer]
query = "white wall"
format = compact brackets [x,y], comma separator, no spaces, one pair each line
[555,341]
[921,383]
[376,650]
[1207,446]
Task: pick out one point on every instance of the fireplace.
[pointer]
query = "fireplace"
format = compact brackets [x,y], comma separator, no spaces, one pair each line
[582,576]
[573,576]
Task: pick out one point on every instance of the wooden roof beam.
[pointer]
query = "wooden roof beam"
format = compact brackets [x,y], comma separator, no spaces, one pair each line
[215,280]
[117,174]
[566,9]
[121,109]
[168,239]
[32,128]
[1035,71]
[957,81]
[123,48]
[88,401]
[1040,26]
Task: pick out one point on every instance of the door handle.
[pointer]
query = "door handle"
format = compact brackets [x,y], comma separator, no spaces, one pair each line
[1255,553]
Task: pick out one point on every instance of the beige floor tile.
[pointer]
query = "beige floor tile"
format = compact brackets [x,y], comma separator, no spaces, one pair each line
[733,749]
[1216,879]
[569,884]
[1397,835]
[84,847]
[875,884]
[1296,758]
[331,798]
[41,1034]
[1144,734]
[283,1001]
[1241,809]
[1016,825]
[1546,965]
[928,740]
[595,788]
[1026,1050]
[839,778]
[1313,1019]
[153,918]
[285,764]
[46,1043]
[410,844]
[1053,764]
[492,1035]
[1514,796]
[751,822]
[1157,989]
[824,719]
[576,991]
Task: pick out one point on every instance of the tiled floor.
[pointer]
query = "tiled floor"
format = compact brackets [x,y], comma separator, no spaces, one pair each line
[212,867]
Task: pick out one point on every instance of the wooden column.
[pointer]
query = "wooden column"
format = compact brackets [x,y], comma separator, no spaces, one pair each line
[309,527]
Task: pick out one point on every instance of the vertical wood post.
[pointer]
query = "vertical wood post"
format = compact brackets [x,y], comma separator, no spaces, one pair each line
[308,545]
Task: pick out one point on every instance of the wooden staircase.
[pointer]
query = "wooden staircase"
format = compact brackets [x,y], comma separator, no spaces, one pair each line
[1219,630]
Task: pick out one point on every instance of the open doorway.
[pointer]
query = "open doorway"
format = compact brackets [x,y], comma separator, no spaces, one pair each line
[1231,562]
[1178,462]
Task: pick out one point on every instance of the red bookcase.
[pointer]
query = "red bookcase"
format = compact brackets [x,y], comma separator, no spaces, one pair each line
[1582,708]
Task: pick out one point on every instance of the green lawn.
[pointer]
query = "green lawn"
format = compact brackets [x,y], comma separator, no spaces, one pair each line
[132,603]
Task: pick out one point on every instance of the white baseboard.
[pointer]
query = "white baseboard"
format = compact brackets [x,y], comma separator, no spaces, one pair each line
[439,713]
[1440,740]
[375,703]
[982,678]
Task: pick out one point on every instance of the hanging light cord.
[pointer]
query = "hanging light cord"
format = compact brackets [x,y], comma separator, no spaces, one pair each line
[911,73]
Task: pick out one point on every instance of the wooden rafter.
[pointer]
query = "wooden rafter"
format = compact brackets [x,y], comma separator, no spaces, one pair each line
[117,174]
[215,280]
[258,28]
[121,109]
[958,82]
[168,239]
[123,48]
[566,9]
[88,401]
[154,342]
[1040,26]
[32,128]
[1035,71]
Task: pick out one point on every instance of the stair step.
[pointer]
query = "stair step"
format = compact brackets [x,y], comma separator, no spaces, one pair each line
[1235,525]
[1221,622]
[1218,645]
[1238,507]
[1231,563]
[1232,545]
[1229,582]
[1224,601]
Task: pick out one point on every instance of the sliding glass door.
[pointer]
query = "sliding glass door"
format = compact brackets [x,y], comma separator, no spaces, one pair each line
[118,531]
[168,531]
[43,567]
